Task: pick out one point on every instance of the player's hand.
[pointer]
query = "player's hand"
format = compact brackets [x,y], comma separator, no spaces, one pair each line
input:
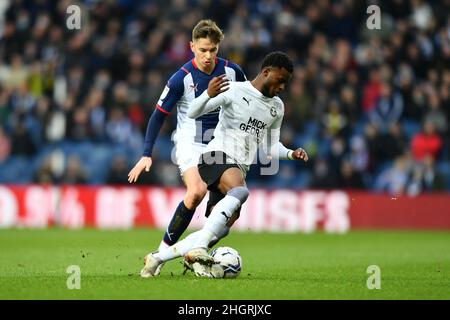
[300,154]
[143,163]
[218,85]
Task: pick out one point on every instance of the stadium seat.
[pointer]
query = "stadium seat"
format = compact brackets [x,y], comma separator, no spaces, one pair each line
[16,170]
[411,128]
[443,167]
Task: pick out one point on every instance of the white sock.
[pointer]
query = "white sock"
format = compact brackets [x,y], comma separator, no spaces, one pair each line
[162,246]
[179,249]
[222,234]
[217,220]
[182,247]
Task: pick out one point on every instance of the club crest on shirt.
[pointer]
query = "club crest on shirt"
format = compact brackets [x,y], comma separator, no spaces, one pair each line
[273,112]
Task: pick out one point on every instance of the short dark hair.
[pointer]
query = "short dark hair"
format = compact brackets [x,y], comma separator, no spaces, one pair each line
[207,29]
[278,59]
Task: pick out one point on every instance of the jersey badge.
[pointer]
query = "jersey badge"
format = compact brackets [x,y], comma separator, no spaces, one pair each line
[273,112]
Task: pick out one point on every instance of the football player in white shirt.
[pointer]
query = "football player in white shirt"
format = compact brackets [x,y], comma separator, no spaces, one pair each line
[250,111]
[191,136]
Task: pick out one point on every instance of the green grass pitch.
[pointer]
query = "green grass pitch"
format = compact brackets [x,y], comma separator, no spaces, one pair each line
[413,265]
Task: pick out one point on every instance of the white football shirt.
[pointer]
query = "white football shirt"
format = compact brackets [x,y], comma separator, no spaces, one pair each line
[246,118]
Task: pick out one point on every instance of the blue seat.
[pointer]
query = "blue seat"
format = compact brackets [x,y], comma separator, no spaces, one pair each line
[312,129]
[359,127]
[443,167]
[411,128]
[380,168]
[16,169]
[302,180]
[163,148]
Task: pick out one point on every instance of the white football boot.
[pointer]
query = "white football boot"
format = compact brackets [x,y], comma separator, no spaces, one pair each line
[151,265]
[216,271]
[202,264]
[200,270]
[158,269]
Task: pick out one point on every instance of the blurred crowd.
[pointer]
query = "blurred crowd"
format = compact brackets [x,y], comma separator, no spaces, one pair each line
[371,107]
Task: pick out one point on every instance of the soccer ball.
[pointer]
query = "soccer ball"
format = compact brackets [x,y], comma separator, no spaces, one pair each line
[229,259]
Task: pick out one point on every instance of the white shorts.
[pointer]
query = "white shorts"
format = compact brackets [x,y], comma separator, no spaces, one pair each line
[187,154]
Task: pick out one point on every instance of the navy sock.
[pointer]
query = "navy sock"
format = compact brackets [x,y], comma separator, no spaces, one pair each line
[179,223]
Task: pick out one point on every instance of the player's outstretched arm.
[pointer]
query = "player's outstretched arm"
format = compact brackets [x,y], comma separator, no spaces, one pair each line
[211,98]
[288,154]
[283,152]
[167,101]
[276,148]
[143,163]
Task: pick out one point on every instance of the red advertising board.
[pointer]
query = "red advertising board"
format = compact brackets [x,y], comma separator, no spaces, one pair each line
[285,210]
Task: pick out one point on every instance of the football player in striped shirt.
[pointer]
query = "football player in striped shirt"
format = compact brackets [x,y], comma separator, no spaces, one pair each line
[191,135]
